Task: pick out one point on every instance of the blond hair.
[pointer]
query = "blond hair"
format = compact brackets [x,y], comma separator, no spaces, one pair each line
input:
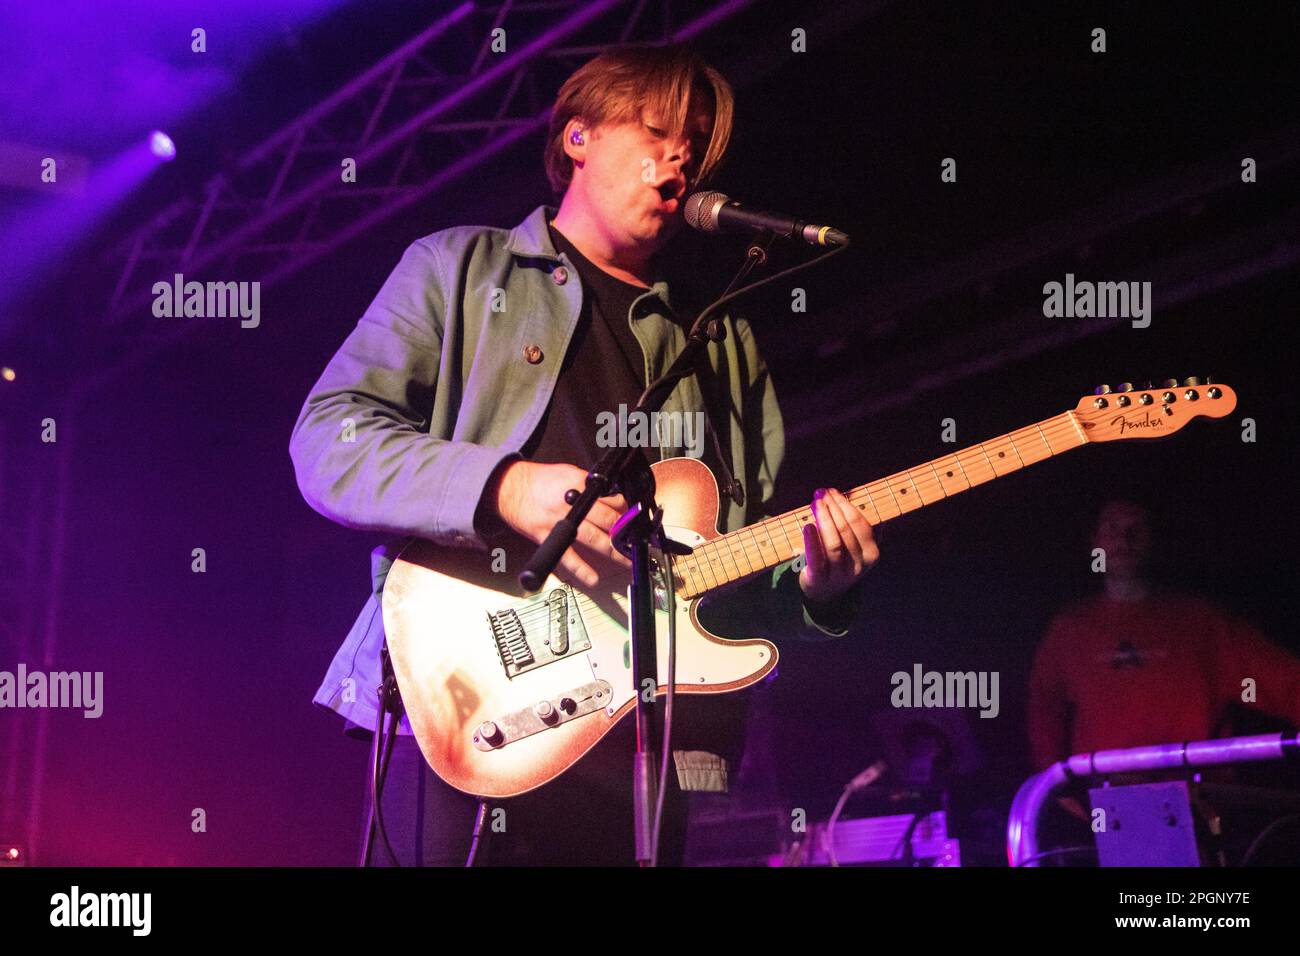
[618,85]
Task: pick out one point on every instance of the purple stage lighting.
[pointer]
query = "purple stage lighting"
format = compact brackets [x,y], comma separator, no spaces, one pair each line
[161,145]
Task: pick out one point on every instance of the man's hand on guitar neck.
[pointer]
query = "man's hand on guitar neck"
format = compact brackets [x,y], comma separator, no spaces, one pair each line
[529,498]
[839,548]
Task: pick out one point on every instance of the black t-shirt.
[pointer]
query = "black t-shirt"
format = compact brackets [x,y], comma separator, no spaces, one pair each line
[603,368]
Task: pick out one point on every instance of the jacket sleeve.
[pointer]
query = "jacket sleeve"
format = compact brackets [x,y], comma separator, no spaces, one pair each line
[361,447]
[771,605]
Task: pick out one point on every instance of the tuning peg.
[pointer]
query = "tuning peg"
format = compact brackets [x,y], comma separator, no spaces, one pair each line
[1146,384]
[1124,387]
[1193,380]
[1101,390]
[1169,383]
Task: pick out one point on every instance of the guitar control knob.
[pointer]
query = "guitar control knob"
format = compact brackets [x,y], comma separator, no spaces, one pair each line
[490,733]
[1101,390]
[568,705]
[545,712]
[1144,398]
[1125,387]
[1169,397]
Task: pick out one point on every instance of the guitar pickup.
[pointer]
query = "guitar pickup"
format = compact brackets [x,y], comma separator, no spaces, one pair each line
[543,715]
[538,631]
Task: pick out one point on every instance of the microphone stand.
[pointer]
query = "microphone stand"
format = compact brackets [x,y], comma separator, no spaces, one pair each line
[626,470]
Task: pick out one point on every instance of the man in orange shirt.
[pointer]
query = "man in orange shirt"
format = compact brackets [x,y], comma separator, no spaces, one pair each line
[1136,666]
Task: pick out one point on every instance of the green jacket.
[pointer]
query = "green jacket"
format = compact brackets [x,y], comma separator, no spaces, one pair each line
[433,389]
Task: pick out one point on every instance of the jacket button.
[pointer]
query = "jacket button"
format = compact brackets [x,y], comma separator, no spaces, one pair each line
[560,275]
[533,354]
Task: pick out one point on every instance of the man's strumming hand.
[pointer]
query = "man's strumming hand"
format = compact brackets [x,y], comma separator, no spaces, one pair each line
[529,498]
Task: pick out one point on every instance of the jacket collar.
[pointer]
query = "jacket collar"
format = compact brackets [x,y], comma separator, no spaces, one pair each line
[532,239]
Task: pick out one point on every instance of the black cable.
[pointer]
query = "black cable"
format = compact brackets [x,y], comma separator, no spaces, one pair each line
[390,702]
[384,741]
[1061,851]
[368,841]
[721,300]
[377,737]
[666,564]
[478,831]
[904,850]
[1264,834]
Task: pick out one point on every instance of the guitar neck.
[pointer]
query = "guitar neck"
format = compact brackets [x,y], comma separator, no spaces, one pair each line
[758,547]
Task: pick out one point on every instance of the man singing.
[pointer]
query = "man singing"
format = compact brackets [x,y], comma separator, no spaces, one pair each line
[465,403]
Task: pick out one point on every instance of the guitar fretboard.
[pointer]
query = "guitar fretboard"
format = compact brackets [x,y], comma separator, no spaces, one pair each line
[758,547]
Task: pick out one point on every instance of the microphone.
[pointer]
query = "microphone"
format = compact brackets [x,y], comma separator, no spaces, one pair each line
[711,211]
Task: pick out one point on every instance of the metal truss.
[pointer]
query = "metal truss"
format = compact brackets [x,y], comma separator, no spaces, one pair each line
[426,115]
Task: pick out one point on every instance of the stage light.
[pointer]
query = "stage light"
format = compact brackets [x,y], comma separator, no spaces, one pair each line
[8,374]
[161,145]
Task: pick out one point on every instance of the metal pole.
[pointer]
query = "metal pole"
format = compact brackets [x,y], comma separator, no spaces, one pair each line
[1034,793]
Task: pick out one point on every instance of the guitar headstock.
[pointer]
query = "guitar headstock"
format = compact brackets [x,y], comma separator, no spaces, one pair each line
[1122,411]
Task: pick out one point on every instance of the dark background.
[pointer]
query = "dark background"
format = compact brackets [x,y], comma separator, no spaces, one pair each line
[1116,166]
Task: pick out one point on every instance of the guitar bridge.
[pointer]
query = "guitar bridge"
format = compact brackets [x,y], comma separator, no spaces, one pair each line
[537,632]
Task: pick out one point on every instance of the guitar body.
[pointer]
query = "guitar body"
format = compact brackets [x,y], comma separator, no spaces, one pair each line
[549,673]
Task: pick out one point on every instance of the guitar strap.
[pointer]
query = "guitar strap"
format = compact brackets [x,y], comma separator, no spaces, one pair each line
[730,485]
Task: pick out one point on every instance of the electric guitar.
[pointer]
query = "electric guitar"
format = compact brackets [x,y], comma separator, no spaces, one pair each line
[506,691]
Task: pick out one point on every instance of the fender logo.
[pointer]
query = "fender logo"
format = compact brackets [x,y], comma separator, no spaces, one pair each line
[1146,422]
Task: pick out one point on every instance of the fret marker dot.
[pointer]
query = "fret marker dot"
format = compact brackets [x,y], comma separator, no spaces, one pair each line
[950,474]
[1002,454]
